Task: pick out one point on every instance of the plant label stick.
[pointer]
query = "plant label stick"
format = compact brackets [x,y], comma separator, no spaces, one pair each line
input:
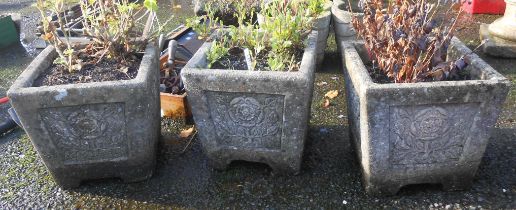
[248,59]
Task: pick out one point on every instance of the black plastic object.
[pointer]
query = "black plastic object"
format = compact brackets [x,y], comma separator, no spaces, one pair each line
[7,125]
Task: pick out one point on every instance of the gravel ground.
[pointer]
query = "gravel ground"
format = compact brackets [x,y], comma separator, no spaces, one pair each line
[330,177]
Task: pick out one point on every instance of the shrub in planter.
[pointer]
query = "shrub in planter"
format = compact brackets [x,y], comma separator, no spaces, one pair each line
[413,120]
[318,10]
[250,91]
[224,10]
[92,111]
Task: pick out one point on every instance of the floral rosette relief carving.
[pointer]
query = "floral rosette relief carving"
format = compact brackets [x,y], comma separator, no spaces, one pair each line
[251,120]
[88,133]
[430,134]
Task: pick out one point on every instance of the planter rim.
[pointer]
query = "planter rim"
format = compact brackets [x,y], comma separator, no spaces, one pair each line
[307,59]
[493,77]
[342,16]
[26,79]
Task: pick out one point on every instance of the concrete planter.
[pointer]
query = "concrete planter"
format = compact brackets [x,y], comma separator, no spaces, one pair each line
[321,24]
[342,26]
[413,133]
[259,116]
[92,130]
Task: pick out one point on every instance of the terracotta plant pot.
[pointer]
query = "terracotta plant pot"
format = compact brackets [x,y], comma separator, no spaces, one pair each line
[174,106]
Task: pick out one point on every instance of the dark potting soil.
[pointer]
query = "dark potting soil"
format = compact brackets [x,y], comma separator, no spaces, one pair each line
[377,75]
[380,77]
[235,60]
[105,70]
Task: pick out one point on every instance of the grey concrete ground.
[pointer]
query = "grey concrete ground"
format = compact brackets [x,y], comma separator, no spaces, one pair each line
[330,176]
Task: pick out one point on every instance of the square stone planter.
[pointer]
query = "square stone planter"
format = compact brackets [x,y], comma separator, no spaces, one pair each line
[342,22]
[258,116]
[92,130]
[322,26]
[342,26]
[429,132]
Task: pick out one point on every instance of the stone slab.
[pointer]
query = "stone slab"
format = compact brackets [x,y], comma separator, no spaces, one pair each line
[92,130]
[497,46]
[257,116]
[415,133]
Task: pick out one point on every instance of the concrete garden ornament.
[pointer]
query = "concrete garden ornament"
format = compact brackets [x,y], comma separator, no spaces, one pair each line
[421,122]
[250,90]
[501,34]
[88,113]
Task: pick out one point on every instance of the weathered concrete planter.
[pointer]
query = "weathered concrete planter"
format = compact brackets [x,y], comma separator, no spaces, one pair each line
[342,26]
[259,116]
[92,130]
[433,132]
[321,24]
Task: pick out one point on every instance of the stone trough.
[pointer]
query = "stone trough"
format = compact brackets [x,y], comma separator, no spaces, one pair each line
[428,132]
[258,116]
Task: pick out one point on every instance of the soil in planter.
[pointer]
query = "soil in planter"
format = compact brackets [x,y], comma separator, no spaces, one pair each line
[380,77]
[235,60]
[105,70]
[377,75]
[229,19]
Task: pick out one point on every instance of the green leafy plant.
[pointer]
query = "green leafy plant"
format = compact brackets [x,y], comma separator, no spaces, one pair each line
[113,26]
[217,50]
[315,7]
[275,44]
[64,49]
[205,24]
[310,8]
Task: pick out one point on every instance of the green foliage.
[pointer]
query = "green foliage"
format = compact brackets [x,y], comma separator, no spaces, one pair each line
[113,25]
[151,5]
[275,63]
[47,9]
[217,50]
[310,8]
[275,41]
[204,24]
[315,7]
